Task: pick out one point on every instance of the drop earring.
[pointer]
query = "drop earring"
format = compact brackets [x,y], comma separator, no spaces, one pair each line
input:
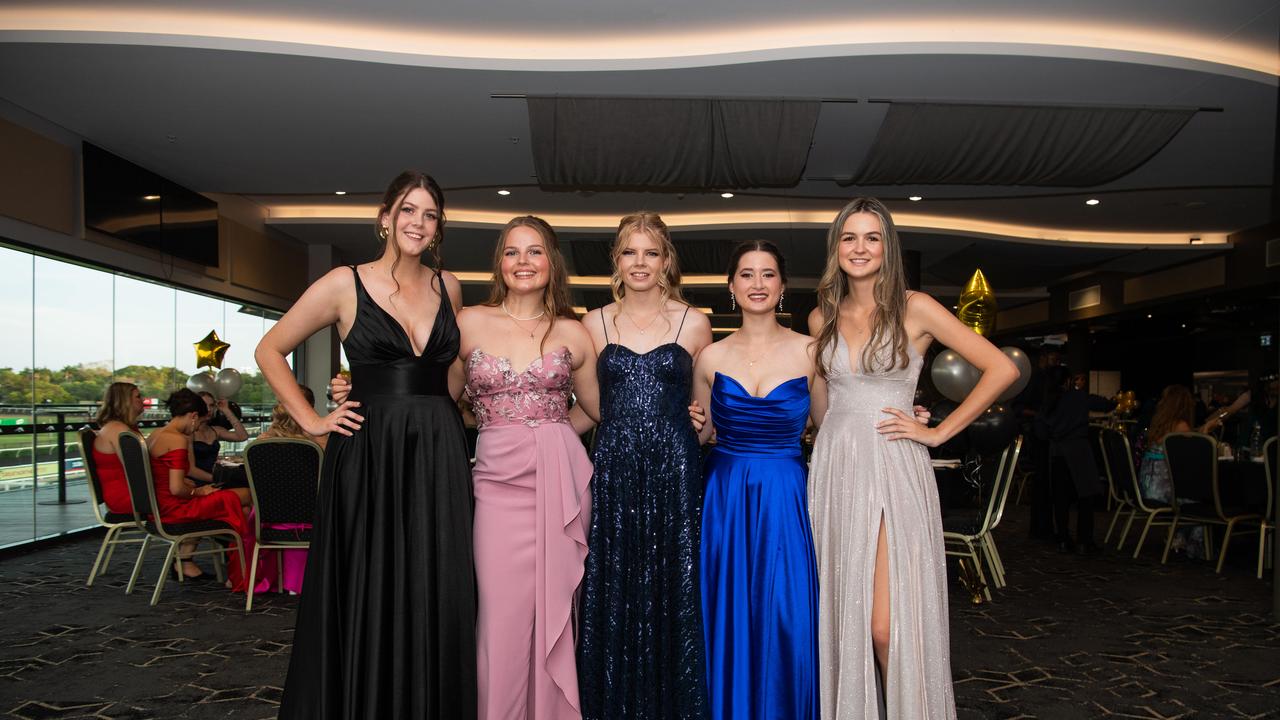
[733,303]
[780,296]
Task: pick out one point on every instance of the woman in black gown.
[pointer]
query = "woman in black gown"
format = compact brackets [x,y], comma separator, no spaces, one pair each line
[641,649]
[386,622]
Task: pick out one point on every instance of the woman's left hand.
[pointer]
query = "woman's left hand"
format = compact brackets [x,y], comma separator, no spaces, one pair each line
[907,427]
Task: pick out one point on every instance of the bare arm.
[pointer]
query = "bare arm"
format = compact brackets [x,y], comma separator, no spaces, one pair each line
[927,317]
[586,387]
[237,433]
[702,374]
[319,307]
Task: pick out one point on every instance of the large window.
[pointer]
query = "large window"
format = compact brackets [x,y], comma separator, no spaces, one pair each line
[66,332]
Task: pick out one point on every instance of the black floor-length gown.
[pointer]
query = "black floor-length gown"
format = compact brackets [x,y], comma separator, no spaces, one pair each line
[640,654]
[386,622]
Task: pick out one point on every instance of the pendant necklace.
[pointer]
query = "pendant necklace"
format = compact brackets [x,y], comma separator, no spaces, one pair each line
[636,324]
[518,320]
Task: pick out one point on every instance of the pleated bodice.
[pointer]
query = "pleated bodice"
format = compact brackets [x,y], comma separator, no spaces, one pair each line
[382,356]
[760,426]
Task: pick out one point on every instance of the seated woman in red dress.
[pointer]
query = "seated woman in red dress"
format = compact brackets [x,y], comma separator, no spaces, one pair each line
[180,500]
[121,408]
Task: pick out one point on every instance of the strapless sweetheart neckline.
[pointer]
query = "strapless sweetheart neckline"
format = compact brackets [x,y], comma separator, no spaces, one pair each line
[767,395]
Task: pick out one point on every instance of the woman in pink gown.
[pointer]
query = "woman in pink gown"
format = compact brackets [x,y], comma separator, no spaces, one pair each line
[524,354]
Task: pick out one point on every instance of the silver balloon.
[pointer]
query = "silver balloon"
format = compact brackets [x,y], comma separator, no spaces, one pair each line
[1023,363]
[228,383]
[953,375]
[202,382]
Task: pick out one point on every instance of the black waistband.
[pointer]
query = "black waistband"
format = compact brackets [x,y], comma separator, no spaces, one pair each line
[408,379]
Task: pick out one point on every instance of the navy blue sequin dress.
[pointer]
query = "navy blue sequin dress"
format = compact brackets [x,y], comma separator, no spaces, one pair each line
[641,649]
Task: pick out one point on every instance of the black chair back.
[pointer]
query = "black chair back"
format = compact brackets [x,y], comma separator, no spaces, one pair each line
[284,474]
[87,437]
[1193,465]
[132,450]
[1118,459]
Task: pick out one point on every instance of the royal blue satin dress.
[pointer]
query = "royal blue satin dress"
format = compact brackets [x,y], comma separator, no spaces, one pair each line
[759,575]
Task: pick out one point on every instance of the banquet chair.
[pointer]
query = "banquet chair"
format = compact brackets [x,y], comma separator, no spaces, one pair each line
[1268,526]
[121,528]
[964,535]
[284,475]
[1197,497]
[1117,462]
[146,513]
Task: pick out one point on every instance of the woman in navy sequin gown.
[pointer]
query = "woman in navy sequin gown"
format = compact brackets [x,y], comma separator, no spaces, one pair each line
[640,655]
[759,576]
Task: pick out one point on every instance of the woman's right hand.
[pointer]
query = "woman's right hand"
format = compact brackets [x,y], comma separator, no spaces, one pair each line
[339,389]
[342,420]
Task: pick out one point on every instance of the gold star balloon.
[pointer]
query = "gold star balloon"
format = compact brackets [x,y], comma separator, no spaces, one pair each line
[210,350]
[977,307]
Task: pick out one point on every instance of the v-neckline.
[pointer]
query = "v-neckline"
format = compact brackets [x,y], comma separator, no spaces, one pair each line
[395,321]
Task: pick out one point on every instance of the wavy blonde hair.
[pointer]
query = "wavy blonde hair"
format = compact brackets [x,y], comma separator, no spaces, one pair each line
[117,404]
[651,224]
[283,424]
[555,298]
[888,331]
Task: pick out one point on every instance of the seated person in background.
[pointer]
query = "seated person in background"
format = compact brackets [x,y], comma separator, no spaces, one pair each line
[206,441]
[284,426]
[1174,413]
[178,498]
[121,408]
[293,562]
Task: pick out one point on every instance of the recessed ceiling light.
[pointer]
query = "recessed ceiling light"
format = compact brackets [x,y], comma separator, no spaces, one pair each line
[150,197]
[1148,316]
[915,198]
[1092,201]
[1184,325]
[504,192]
[339,192]
[726,196]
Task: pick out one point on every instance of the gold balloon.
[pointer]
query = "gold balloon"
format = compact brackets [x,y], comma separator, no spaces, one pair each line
[210,350]
[1126,402]
[970,581]
[977,307]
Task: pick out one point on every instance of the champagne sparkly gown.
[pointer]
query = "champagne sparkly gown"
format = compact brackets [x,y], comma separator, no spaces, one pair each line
[857,476]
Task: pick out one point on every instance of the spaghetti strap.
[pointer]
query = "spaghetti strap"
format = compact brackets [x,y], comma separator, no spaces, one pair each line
[604,326]
[682,317]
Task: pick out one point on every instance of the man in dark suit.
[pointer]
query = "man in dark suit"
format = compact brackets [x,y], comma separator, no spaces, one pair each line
[1064,422]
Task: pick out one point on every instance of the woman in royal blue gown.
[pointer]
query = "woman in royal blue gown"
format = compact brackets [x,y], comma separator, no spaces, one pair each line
[759,577]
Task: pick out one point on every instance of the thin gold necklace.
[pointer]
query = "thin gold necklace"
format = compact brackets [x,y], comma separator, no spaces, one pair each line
[632,318]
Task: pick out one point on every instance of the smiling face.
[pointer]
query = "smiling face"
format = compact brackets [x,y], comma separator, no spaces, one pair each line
[861,248]
[757,282]
[416,222]
[641,262]
[525,266]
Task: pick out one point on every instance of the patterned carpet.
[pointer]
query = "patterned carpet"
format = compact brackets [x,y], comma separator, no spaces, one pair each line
[1071,637]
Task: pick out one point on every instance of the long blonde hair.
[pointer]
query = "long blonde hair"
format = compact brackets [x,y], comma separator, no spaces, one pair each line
[555,298]
[651,224]
[888,331]
[117,404]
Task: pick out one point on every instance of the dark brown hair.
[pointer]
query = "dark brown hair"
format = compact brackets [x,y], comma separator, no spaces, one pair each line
[747,246]
[401,186]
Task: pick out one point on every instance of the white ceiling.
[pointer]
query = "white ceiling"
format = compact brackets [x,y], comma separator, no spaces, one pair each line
[286,101]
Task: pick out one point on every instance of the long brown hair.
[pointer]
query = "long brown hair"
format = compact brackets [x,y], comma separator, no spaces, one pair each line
[1176,404]
[117,404]
[888,331]
[390,206]
[555,298]
[651,224]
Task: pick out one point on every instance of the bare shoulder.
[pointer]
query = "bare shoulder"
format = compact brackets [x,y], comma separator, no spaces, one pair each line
[593,317]
[695,319]
[338,280]
[452,284]
[815,320]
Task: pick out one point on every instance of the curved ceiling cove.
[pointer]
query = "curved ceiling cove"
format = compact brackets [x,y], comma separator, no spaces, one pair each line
[418,42]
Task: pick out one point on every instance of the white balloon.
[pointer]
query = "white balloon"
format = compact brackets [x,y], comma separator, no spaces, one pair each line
[953,375]
[202,382]
[228,383]
[1023,364]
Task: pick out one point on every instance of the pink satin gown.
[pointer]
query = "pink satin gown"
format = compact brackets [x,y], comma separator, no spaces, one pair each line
[532,514]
